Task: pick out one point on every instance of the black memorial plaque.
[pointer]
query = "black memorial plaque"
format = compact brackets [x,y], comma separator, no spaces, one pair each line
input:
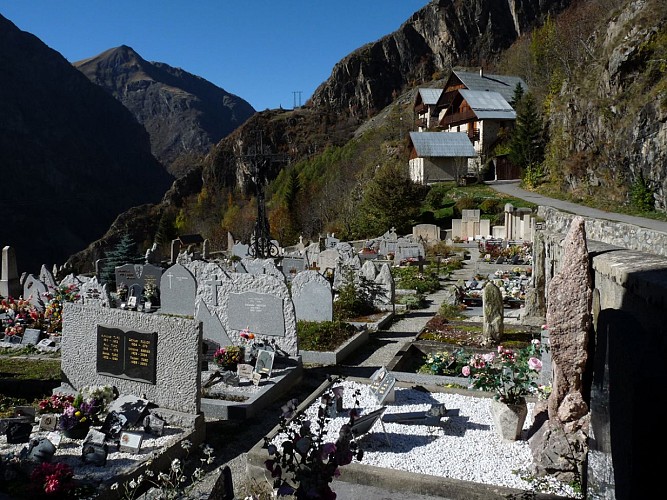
[126,354]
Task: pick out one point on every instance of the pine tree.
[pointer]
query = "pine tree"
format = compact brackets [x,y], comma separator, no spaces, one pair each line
[124,252]
[518,95]
[527,142]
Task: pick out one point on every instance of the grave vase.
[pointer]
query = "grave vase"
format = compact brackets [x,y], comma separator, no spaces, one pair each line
[79,431]
[508,419]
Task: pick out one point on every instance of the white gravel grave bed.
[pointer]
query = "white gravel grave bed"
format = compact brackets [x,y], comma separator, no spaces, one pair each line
[464,446]
[118,463]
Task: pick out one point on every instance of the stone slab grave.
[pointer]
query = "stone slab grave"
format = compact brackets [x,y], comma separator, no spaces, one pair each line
[137,276]
[34,290]
[260,303]
[93,293]
[312,297]
[152,355]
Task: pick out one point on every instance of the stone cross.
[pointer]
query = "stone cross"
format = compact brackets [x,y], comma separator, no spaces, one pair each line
[214,284]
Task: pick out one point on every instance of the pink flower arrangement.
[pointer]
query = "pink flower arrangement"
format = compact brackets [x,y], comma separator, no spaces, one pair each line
[510,374]
[54,479]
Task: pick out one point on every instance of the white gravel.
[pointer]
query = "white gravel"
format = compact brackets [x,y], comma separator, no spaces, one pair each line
[464,446]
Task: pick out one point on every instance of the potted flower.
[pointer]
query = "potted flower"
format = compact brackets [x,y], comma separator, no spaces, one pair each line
[228,357]
[150,295]
[511,375]
[85,411]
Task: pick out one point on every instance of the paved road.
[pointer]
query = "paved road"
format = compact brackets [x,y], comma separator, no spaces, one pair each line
[512,188]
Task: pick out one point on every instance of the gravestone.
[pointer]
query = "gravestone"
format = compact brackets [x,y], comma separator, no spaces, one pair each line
[328,259]
[47,278]
[430,233]
[137,276]
[330,241]
[262,304]
[92,293]
[569,319]
[493,313]
[10,284]
[262,266]
[368,271]
[291,266]
[241,250]
[312,297]
[33,292]
[385,282]
[382,386]
[31,336]
[178,288]
[152,355]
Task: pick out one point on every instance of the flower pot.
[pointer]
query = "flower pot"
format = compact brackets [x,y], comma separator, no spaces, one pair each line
[79,431]
[508,419]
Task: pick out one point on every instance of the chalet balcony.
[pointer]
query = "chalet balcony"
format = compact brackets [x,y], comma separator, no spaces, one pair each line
[458,118]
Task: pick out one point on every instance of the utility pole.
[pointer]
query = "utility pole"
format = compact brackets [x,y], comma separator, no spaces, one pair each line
[261,159]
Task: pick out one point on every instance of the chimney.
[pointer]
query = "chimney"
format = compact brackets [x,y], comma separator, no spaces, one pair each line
[481,72]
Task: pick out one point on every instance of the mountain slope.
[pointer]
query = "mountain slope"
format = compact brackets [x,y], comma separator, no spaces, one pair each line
[73,157]
[441,35]
[183,113]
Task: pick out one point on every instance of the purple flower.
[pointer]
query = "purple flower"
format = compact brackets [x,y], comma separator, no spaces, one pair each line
[535,364]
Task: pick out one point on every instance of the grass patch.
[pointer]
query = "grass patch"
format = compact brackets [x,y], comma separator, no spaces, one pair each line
[29,369]
[323,335]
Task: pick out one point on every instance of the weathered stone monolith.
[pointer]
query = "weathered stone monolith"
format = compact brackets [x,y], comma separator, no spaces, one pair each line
[559,446]
[493,313]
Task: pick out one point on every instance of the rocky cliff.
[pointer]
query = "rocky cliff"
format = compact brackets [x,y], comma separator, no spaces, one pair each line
[609,126]
[443,34]
[184,114]
[72,157]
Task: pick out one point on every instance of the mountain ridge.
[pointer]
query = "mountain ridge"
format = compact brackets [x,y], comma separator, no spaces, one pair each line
[184,114]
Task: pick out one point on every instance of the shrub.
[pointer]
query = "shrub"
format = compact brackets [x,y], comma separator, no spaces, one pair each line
[450,311]
[323,335]
[410,278]
[412,301]
[355,298]
[465,203]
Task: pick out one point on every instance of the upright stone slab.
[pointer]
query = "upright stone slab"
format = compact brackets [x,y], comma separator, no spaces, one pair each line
[47,278]
[177,291]
[33,291]
[291,265]
[430,233]
[10,285]
[92,293]
[368,270]
[570,297]
[493,313]
[328,259]
[312,296]
[152,355]
[262,304]
[560,443]
[241,250]
[387,285]
[212,328]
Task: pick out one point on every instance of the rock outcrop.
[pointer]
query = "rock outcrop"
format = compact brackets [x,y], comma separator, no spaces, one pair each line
[441,35]
[183,113]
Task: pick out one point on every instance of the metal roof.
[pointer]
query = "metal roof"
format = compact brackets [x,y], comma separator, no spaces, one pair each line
[442,144]
[430,96]
[502,84]
[488,105]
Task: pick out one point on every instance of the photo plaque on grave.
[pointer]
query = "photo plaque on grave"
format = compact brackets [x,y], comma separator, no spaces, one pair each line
[127,354]
[382,387]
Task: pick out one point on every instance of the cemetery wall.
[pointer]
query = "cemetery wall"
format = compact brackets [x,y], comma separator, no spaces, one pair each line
[177,366]
[629,313]
[615,233]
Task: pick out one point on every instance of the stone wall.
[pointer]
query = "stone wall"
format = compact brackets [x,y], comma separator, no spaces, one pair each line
[625,371]
[619,234]
[178,369]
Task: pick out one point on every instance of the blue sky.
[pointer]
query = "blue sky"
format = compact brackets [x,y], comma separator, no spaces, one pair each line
[270,53]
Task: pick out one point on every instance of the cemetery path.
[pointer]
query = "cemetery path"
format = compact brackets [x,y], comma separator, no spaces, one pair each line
[512,188]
